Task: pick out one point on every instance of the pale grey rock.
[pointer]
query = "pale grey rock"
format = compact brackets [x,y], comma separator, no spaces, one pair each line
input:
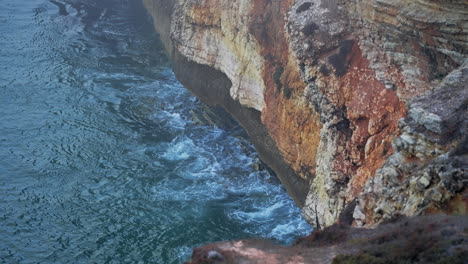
[440,171]
[423,183]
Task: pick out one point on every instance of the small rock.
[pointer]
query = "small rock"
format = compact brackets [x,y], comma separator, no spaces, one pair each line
[416,114]
[407,138]
[436,196]
[390,172]
[257,165]
[432,122]
[213,254]
[390,86]
[358,214]
[383,209]
[423,182]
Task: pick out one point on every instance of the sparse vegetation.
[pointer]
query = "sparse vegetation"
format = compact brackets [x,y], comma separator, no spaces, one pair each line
[410,245]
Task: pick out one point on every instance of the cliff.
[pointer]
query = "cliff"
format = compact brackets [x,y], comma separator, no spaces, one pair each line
[359,106]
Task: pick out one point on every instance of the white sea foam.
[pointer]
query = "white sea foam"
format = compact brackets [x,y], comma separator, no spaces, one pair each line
[182,191]
[211,165]
[283,229]
[258,214]
[180,149]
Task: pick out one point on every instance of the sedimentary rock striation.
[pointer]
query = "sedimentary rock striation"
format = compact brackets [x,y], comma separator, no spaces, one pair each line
[359,106]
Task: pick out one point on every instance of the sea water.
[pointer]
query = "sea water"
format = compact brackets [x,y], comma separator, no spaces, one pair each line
[101,158]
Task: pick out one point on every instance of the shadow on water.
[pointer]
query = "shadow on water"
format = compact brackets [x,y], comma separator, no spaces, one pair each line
[105,157]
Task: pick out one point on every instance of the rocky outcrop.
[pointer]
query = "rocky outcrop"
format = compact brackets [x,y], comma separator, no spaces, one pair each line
[428,171]
[438,239]
[367,60]
[359,106]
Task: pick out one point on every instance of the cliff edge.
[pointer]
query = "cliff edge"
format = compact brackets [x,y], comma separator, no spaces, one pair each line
[359,106]
[422,239]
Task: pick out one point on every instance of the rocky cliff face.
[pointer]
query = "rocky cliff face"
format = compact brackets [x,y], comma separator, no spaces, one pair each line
[359,106]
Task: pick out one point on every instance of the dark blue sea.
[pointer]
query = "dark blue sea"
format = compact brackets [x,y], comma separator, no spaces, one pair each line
[105,157]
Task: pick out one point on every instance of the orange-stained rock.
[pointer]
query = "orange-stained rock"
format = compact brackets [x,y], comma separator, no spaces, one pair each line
[293,125]
[336,95]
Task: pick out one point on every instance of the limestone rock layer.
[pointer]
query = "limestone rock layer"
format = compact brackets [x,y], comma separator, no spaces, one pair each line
[359,106]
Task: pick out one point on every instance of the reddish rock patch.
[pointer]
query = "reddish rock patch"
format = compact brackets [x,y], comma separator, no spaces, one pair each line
[293,125]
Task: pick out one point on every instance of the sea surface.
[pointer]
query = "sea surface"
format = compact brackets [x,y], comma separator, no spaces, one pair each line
[103,156]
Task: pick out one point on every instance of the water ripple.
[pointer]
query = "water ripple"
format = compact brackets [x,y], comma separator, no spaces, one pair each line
[105,157]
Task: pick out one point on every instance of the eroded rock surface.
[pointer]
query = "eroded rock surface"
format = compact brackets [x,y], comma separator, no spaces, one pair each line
[359,106]
[428,171]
